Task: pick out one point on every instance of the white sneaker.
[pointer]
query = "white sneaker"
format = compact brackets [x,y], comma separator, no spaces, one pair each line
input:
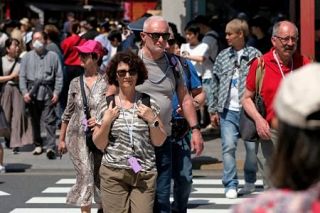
[231,193]
[248,188]
[2,169]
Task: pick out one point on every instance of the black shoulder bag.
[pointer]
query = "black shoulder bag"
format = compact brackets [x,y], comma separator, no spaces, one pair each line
[247,125]
[91,146]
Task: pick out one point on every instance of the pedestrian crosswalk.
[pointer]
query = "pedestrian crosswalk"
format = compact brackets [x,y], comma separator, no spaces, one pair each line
[207,196]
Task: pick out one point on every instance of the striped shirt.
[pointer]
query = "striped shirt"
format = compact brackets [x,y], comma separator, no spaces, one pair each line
[120,148]
[223,70]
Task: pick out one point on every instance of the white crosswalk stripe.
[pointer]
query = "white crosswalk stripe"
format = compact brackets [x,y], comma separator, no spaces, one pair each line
[207,196]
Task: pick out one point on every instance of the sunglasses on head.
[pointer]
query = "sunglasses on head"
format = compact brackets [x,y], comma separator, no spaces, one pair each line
[156,36]
[123,73]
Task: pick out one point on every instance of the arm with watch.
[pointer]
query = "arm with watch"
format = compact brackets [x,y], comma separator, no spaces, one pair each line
[156,128]
[189,112]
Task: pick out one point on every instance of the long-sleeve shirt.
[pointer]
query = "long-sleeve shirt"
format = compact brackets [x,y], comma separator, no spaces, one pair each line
[223,70]
[45,67]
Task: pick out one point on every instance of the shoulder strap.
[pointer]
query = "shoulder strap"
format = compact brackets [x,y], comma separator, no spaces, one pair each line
[84,98]
[1,69]
[109,99]
[145,99]
[14,64]
[260,71]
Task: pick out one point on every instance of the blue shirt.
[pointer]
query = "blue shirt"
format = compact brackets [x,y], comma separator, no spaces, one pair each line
[192,81]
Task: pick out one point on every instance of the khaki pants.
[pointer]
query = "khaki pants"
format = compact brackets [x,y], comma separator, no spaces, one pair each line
[264,157]
[123,191]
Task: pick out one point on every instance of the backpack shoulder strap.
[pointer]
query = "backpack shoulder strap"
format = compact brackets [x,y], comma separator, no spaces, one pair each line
[145,99]
[109,99]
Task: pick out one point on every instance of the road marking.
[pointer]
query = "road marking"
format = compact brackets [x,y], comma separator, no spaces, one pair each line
[76,210]
[195,181]
[219,182]
[195,190]
[49,210]
[192,200]
[2,193]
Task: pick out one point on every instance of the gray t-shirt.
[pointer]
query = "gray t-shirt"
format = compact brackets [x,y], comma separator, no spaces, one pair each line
[161,85]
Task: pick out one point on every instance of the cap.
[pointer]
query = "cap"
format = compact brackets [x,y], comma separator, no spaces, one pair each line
[24,21]
[297,102]
[91,46]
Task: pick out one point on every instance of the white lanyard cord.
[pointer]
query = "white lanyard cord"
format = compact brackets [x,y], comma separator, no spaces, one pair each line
[130,128]
[278,63]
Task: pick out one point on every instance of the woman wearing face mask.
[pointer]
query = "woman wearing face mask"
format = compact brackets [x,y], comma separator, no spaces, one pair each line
[11,100]
[75,123]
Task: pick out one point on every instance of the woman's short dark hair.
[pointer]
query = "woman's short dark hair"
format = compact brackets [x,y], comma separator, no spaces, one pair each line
[296,163]
[134,62]
[9,41]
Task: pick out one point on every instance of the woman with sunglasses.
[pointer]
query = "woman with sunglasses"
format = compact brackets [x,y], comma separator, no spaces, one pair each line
[75,123]
[127,130]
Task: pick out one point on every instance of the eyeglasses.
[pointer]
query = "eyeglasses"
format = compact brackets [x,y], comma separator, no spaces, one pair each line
[123,73]
[156,36]
[287,39]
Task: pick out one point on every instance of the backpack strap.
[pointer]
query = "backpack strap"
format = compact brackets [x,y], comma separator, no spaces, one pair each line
[109,99]
[145,99]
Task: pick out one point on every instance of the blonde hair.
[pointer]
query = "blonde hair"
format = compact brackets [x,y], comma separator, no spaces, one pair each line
[237,25]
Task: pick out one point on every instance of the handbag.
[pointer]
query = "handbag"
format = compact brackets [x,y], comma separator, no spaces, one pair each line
[89,142]
[4,125]
[247,126]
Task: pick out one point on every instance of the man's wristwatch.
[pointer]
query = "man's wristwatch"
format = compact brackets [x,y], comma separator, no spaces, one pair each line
[154,124]
[197,126]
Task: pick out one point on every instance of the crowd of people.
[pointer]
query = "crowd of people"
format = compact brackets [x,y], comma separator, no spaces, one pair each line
[131,106]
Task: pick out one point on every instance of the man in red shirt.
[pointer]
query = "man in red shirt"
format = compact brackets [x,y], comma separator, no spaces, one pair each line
[281,60]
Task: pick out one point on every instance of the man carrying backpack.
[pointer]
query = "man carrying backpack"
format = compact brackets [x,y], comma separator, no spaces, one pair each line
[212,39]
[163,80]
[180,137]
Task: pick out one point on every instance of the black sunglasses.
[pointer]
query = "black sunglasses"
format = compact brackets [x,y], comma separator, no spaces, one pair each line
[123,73]
[156,36]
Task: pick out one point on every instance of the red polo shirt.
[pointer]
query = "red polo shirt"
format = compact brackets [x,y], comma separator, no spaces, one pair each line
[272,78]
[67,46]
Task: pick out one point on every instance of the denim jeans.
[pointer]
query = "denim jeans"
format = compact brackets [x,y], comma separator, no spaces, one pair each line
[181,173]
[229,124]
[164,167]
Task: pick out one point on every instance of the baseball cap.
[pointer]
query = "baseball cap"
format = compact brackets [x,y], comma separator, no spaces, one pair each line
[91,46]
[297,102]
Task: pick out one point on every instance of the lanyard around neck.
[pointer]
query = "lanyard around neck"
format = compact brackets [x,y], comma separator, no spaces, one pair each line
[278,63]
[129,127]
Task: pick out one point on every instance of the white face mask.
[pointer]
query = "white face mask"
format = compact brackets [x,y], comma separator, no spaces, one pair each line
[38,44]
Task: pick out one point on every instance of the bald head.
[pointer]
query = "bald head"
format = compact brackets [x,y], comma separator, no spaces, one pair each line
[154,21]
[283,25]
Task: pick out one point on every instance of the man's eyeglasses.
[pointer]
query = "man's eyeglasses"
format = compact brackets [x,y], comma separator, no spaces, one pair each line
[287,39]
[123,73]
[156,36]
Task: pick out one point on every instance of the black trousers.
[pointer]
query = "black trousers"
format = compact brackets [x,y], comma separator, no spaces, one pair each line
[43,111]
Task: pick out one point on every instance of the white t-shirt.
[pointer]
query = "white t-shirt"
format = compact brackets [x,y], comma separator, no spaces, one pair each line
[212,51]
[198,50]
[233,100]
